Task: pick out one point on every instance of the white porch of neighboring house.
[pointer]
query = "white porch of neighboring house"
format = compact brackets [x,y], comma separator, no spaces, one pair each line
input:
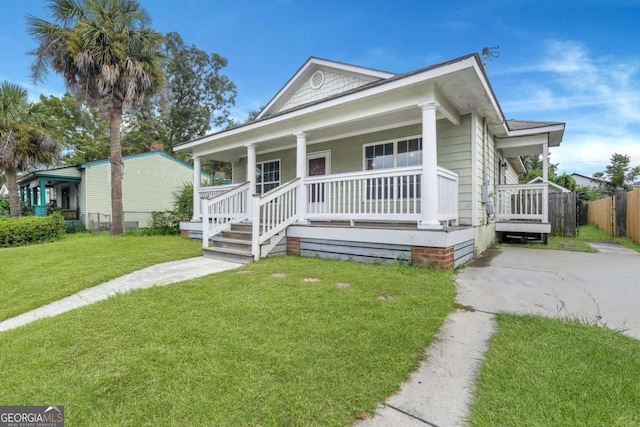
[395,169]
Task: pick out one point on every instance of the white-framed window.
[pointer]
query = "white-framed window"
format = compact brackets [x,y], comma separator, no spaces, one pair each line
[267,175]
[400,153]
[393,154]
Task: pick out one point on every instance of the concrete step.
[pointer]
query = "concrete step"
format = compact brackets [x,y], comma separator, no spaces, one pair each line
[226,254]
[229,243]
[237,235]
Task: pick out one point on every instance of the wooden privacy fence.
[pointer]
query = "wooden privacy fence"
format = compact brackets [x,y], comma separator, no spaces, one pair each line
[633,215]
[618,215]
[562,214]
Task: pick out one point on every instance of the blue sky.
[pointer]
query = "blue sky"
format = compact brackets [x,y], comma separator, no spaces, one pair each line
[576,62]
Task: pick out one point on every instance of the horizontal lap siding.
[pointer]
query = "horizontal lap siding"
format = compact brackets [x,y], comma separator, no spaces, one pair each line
[463,252]
[454,153]
[149,183]
[357,251]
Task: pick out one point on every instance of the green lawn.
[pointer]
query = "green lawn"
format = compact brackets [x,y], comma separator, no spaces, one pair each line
[547,372]
[586,233]
[35,275]
[591,233]
[255,346]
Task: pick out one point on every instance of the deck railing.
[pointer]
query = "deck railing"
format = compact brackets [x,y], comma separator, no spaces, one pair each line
[273,212]
[209,192]
[525,202]
[378,195]
[220,211]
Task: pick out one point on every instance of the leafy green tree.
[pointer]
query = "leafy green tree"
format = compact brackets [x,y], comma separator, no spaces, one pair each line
[534,166]
[79,128]
[195,98]
[104,50]
[565,181]
[24,138]
[618,174]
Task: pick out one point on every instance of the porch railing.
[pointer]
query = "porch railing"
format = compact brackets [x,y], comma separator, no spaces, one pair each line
[209,192]
[525,202]
[218,212]
[273,212]
[378,195]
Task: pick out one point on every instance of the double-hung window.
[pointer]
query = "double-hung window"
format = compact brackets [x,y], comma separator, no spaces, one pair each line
[267,176]
[394,154]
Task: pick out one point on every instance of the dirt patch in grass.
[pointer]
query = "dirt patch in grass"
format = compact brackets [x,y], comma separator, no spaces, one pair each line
[279,275]
[343,285]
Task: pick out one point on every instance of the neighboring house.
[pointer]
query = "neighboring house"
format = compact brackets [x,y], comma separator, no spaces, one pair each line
[553,187]
[586,181]
[635,184]
[84,192]
[354,163]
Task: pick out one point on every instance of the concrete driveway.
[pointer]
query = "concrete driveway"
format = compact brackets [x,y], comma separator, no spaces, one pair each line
[603,286]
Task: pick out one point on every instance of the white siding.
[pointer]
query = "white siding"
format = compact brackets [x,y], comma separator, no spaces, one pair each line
[334,83]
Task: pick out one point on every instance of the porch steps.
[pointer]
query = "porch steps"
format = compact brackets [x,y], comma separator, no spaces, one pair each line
[234,245]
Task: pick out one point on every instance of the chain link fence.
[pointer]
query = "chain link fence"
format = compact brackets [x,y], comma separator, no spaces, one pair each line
[133,220]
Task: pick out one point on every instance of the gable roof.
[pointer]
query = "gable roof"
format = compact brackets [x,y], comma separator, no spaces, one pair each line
[551,184]
[360,76]
[462,82]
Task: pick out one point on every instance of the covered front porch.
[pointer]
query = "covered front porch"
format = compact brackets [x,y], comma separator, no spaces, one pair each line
[402,187]
[523,209]
[56,188]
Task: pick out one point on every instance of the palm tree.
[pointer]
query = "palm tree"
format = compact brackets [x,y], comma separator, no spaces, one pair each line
[105,52]
[24,139]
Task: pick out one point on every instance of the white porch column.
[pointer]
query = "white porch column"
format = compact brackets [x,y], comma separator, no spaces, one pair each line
[429,183]
[197,182]
[545,162]
[301,172]
[251,176]
[251,168]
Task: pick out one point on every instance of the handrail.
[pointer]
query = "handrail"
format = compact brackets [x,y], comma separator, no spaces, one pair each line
[223,209]
[273,212]
[364,174]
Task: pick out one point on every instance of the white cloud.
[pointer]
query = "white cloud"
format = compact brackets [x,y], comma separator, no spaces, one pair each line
[597,97]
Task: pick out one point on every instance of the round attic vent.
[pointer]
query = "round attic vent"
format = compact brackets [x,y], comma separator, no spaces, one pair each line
[317,79]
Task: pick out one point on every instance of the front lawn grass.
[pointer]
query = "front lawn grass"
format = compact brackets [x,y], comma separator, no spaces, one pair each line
[592,233]
[586,233]
[287,341]
[549,372]
[35,275]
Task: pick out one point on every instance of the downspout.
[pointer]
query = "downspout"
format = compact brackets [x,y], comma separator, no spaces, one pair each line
[486,196]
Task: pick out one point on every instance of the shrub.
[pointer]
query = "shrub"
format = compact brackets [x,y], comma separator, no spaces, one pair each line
[184,203]
[163,223]
[31,229]
[74,227]
[25,208]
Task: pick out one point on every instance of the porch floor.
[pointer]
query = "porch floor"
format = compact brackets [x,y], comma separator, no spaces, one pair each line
[378,225]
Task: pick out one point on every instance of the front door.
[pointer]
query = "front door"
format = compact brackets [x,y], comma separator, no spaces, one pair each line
[318,164]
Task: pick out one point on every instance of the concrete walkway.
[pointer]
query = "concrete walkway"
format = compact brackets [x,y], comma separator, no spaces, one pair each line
[603,287]
[156,275]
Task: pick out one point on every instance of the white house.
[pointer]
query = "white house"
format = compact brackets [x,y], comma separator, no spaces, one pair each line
[350,162]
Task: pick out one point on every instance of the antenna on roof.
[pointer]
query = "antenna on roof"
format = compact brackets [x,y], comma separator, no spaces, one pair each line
[491,53]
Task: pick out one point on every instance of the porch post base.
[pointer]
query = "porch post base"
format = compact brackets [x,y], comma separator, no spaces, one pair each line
[430,225]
